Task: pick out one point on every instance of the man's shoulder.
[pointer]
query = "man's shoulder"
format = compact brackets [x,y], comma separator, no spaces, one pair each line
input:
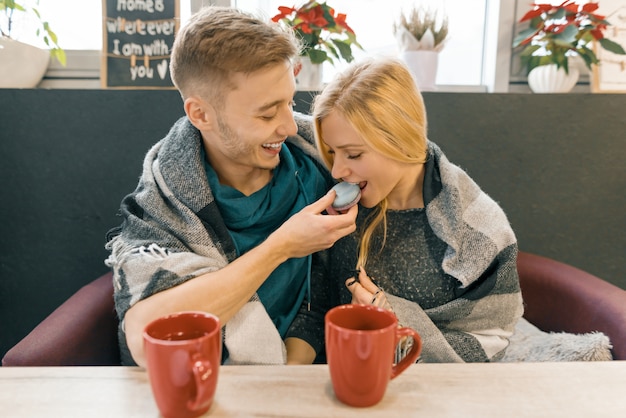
[305,138]
[305,126]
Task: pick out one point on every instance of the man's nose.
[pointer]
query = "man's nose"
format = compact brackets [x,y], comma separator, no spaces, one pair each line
[288,126]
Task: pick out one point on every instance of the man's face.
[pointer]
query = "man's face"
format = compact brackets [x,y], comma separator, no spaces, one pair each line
[253,123]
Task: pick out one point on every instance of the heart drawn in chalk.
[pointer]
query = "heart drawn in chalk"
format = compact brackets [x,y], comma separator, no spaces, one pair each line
[162,69]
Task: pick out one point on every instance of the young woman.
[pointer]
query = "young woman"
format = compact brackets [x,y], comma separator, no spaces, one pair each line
[430,244]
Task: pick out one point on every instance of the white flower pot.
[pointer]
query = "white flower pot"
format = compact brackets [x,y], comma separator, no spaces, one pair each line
[21,65]
[309,78]
[549,79]
[423,66]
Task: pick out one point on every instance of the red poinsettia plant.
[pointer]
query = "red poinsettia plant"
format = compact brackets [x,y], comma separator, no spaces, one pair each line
[324,34]
[556,32]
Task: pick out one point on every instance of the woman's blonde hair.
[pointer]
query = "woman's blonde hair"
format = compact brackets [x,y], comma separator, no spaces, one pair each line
[379,98]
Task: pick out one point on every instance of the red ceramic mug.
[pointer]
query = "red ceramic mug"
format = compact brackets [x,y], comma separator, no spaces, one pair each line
[361,343]
[183,355]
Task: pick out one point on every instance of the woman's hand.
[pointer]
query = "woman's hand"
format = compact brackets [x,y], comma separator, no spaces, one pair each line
[365,291]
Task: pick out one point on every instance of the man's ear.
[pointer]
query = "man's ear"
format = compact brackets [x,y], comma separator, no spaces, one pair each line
[200,113]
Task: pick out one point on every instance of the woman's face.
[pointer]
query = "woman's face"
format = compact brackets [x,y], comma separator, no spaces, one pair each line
[378,176]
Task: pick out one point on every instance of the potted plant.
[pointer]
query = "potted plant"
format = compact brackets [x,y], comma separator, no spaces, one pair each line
[421,34]
[557,32]
[325,36]
[21,64]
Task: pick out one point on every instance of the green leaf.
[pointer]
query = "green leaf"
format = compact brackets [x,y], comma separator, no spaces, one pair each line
[559,14]
[589,58]
[612,46]
[344,50]
[557,43]
[331,48]
[352,40]
[523,35]
[59,54]
[568,34]
[529,50]
[10,4]
[533,61]
[317,56]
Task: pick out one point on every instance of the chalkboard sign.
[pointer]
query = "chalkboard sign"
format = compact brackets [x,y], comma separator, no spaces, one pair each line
[137,42]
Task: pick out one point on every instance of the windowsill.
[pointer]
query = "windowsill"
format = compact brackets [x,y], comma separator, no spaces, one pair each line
[83,72]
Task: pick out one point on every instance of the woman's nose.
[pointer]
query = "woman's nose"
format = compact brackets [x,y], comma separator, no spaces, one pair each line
[339,170]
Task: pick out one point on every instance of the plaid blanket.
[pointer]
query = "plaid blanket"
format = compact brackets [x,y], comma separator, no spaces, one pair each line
[172,231]
[482,255]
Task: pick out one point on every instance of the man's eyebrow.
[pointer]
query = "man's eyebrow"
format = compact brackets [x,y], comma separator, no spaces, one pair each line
[269,105]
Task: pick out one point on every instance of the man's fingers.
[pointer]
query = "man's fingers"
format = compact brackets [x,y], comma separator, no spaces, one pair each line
[322,203]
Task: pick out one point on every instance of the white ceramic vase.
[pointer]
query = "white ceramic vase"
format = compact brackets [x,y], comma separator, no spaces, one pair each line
[549,79]
[309,78]
[423,66]
[21,65]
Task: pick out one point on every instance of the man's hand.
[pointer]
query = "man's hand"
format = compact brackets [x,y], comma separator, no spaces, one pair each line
[310,230]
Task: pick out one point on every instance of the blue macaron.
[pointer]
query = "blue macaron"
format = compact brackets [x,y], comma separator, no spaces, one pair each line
[346,195]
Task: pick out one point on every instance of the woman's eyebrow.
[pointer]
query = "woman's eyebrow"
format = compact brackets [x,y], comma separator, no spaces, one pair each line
[349,146]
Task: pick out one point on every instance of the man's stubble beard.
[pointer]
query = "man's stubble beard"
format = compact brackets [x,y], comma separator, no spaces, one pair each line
[235,147]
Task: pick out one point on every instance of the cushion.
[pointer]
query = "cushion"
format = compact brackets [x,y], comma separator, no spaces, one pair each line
[529,343]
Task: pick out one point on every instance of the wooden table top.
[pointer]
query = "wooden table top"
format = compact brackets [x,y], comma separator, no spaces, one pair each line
[577,389]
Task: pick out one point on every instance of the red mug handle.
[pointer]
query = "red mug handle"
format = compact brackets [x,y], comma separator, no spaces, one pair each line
[412,355]
[202,371]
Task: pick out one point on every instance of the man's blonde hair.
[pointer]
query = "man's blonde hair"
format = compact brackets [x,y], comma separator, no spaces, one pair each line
[219,41]
[379,98]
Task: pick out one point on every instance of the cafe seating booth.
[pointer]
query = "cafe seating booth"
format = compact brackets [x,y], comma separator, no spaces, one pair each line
[557,298]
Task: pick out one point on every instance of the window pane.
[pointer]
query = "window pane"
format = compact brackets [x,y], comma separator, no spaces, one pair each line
[372,22]
[77,23]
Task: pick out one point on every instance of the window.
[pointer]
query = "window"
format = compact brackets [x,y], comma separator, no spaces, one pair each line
[477,51]
[372,22]
[78,23]
[72,20]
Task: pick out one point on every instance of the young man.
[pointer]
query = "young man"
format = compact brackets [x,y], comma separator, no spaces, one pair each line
[228,210]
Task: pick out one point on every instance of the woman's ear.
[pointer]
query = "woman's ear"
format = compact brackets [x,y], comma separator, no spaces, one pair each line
[200,113]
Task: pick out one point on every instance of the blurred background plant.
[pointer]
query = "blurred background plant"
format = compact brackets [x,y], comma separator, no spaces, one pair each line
[429,27]
[324,34]
[12,11]
[556,33]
